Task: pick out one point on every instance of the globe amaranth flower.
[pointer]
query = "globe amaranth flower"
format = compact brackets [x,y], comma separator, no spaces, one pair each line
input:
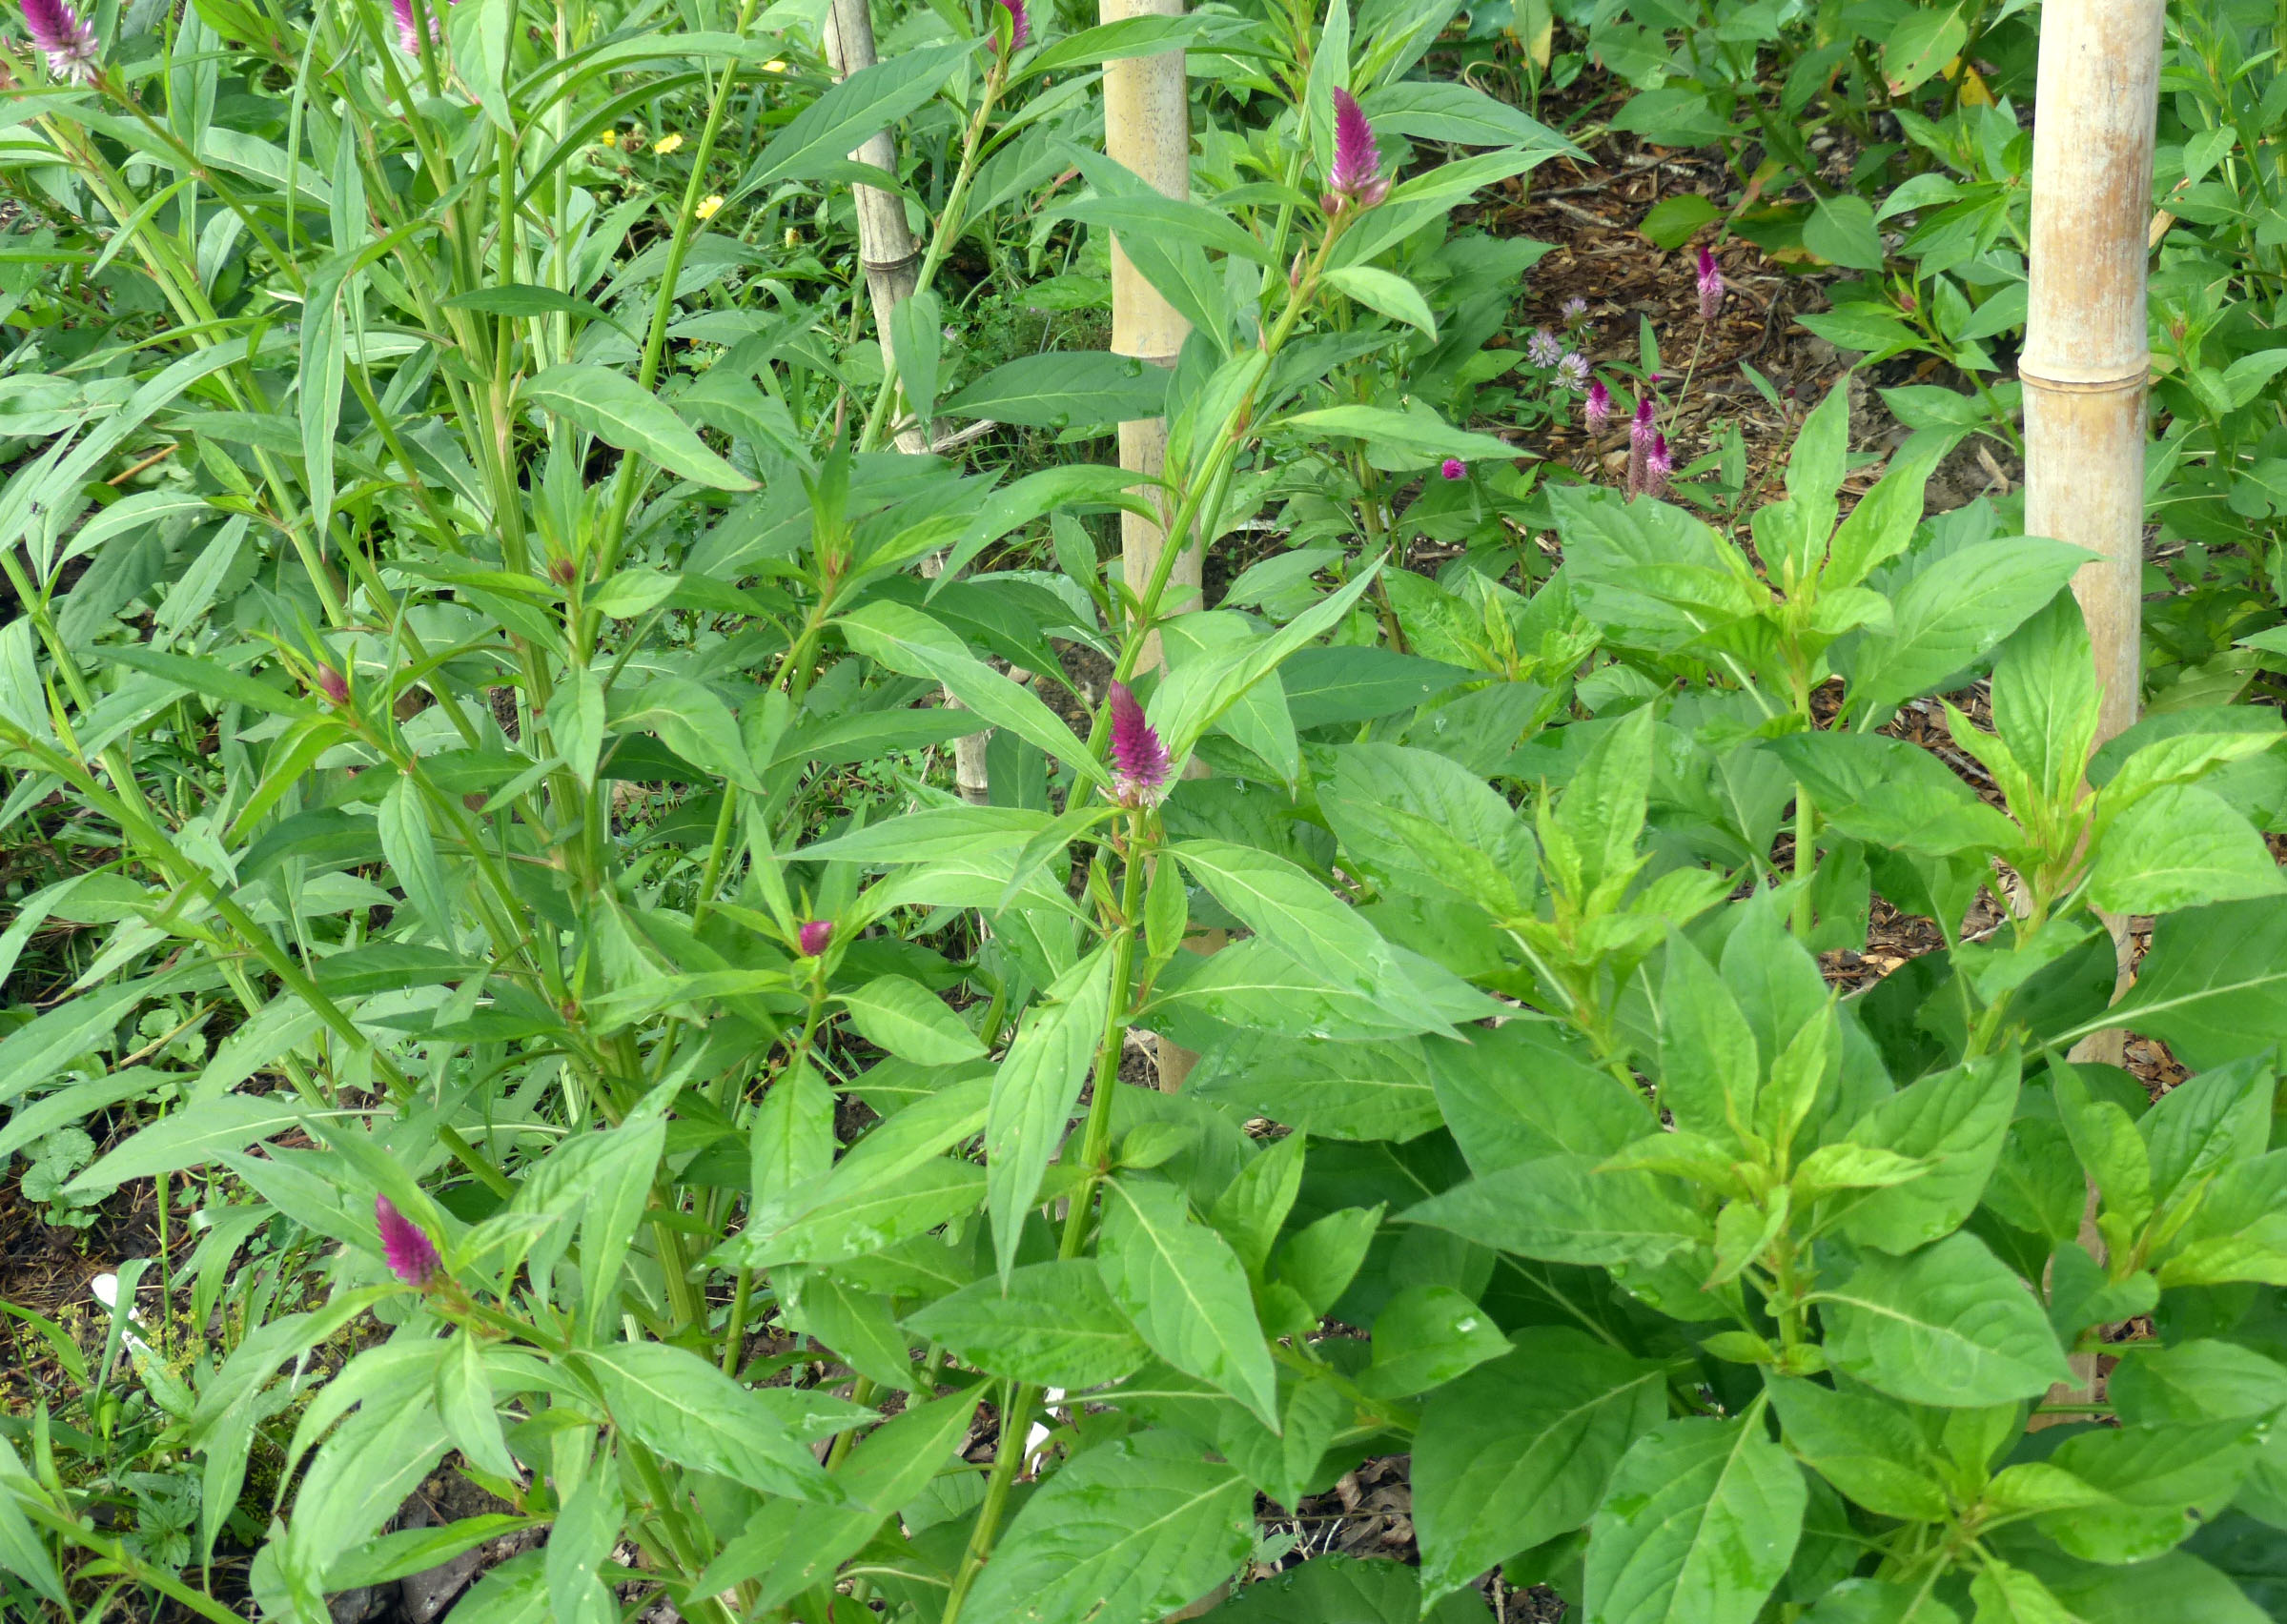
[814,936]
[1020,25]
[408,33]
[1575,311]
[412,1256]
[1357,176]
[1139,760]
[1453,468]
[1543,348]
[66,38]
[1572,371]
[1711,286]
[1640,436]
[1598,414]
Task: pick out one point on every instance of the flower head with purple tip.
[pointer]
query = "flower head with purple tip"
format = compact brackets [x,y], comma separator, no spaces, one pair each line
[332,685]
[1355,177]
[814,936]
[411,1256]
[1020,25]
[1597,414]
[66,38]
[1657,467]
[1453,468]
[1139,760]
[1640,436]
[1543,349]
[1711,286]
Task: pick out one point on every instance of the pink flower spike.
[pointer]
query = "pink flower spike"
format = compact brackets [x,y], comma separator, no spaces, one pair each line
[1641,434]
[1598,412]
[1657,467]
[408,35]
[1139,760]
[1356,175]
[1453,468]
[814,937]
[411,1255]
[1711,286]
[1020,25]
[64,38]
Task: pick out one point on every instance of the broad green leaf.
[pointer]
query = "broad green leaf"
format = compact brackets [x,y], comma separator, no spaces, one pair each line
[620,413]
[904,1017]
[1700,1523]
[1388,292]
[819,138]
[1051,1324]
[1345,1589]
[1186,1291]
[1424,1338]
[1411,438]
[1286,907]
[1650,575]
[1066,389]
[681,1406]
[2180,847]
[1517,1092]
[691,719]
[1331,1091]
[1959,1120]
[1034,1093]
[1892,794]
[1866,1446]
[1562,1209]
[1952,613]
[1949,1325]
[1126,1532]
[2212,987]
[1521,1450]
[192,1137]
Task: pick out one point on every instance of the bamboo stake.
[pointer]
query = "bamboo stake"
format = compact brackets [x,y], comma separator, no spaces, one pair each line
[892,262]
[2086,362]
[1147,127]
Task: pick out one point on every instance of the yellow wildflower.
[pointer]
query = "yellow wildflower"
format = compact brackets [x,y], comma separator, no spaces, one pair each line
[794,237]
[708,205]
[776,64]
[667,143]
[609,139]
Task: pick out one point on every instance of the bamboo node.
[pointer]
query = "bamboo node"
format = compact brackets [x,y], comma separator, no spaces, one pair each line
[2115,384]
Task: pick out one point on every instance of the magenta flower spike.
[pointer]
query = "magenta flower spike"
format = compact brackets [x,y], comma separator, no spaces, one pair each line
[1598,414]
[1453,468]
[1641,434]
[334,685]
[408,35]
[1357,176]
[1020,25]
[814,937]
[412,1255]
[1711,286]
[66,38]
[1657,467]
[1139,760]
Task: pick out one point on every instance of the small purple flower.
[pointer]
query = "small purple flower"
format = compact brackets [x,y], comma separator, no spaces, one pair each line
[1576,311]
[1139,760]
[1640,436]
[1711,286]
[1453,468]
[334,685]
[1357,176]
[1599,412]
[408,34]
[1657,467]
[1543,348]
[814,937]
[64,38]
[1020,25]
[1572,371]
[412,1255]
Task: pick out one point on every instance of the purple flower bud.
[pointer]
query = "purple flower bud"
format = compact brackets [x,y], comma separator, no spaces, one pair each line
[1711,286]
[1576,311]
[1598,412]
[814,937]
[1020,25]
[1543,348]
[332,685]
[1453,468]
[64,38]
[1356,175]
[412,1255]
[1572,371]
[1139,760]
[1657,467]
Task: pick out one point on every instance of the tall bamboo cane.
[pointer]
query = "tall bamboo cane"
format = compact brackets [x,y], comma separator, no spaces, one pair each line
[2086,359]
[892,262]
[1147,127]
